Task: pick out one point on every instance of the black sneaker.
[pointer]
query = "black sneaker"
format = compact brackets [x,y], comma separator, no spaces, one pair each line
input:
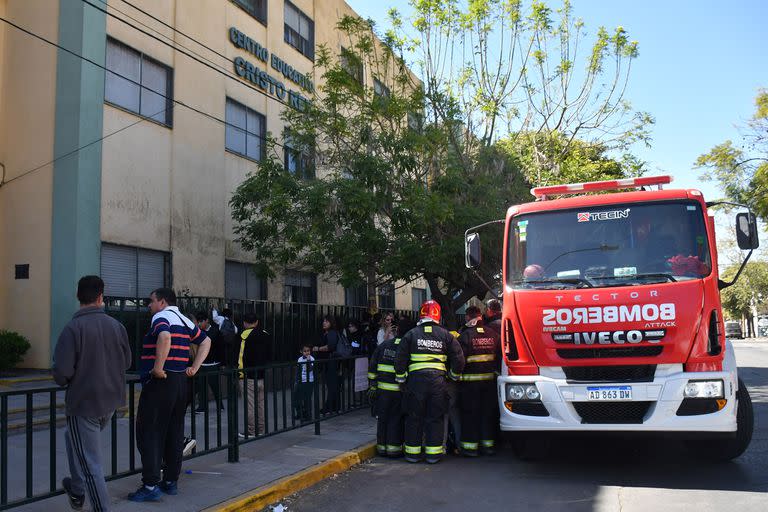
[75,501]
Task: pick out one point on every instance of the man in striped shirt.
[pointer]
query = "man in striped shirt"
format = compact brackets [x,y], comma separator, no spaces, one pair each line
[163,401]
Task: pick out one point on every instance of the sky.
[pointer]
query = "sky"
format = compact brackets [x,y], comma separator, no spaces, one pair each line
[700,66]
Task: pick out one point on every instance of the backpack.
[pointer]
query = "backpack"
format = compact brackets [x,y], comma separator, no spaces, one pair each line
[344,346]
[231,342]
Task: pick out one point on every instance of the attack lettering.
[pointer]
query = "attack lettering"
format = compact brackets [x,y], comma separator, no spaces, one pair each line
[609,314]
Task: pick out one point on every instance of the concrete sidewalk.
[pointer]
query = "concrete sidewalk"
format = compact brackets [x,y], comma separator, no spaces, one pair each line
[262,462]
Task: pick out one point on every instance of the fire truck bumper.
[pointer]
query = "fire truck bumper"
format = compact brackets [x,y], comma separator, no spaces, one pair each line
[670,400]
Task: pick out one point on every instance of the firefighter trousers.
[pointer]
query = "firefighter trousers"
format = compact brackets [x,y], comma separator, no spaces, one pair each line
[426,403]
[479,413]
[389,427]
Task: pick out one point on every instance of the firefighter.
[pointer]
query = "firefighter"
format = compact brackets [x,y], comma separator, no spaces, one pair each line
[426,356]
[493,315]
[388,396]
[477,390]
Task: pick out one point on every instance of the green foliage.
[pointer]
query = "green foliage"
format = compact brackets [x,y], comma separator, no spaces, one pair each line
[738,299]
[516,68]
[741,170]
[549,159]
[401,176]
[13,346]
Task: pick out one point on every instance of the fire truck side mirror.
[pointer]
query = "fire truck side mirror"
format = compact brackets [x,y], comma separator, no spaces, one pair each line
[746,231]
[472,250]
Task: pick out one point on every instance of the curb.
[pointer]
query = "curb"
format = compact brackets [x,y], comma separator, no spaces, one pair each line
[279,489]
[10,381]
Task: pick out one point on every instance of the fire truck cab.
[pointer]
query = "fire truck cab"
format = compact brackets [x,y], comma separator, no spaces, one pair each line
[612,320]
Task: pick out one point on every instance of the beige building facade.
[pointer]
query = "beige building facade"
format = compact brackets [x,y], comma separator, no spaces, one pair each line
[121,148]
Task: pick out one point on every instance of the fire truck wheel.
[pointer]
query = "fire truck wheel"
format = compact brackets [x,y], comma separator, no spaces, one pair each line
[530,446]
[723,450]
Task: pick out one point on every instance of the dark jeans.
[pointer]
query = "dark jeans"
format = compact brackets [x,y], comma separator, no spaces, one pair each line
[160,426]
[332,386]
[207,377]
[303,409]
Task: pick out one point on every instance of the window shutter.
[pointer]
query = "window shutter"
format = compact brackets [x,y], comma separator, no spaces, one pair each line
[151,271]
[118,270]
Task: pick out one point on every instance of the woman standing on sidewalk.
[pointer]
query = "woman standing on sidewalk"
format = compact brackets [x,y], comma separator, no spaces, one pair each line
[329,339]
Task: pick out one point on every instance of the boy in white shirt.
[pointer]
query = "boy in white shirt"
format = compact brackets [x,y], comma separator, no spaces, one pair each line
[305,379]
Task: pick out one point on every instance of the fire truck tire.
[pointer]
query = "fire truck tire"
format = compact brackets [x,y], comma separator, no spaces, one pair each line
[530,446]
[725,449]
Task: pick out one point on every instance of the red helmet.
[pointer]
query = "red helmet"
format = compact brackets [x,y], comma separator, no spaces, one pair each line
[430,309]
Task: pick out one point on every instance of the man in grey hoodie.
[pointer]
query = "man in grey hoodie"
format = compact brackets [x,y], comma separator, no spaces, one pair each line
[91,357]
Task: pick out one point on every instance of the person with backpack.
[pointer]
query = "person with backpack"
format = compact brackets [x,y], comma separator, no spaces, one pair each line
[229,338]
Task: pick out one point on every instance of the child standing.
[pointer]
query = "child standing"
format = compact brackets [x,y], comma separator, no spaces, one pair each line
[305,379]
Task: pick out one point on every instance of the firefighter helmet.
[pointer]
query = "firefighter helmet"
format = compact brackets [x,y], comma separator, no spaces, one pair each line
[430,309]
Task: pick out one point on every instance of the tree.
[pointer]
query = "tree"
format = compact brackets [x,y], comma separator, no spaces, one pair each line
[741,170]
[740,299]
[582,161]
[513,71]
[405,166]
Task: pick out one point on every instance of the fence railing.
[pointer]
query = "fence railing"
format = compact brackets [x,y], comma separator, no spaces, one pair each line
[289,324]
[32,421]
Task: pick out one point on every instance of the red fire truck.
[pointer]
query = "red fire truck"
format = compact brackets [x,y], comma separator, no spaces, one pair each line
[612,319]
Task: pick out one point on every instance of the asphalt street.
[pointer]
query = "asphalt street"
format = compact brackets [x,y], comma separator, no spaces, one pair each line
[585,474]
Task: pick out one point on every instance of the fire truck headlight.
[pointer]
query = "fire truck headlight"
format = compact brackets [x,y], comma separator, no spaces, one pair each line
[704,389]
[518,392]
[515,392]
[532,392]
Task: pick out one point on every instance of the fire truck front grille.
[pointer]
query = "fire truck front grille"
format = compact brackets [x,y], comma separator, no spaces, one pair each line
[612,412]
[599,353]
[634,373]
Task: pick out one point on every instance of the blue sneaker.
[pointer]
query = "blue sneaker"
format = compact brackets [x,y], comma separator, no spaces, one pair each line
[144,494]
[168,487]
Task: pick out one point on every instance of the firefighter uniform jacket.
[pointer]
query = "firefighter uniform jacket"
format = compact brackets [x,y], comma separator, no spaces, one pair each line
[482,353]
[381,369]
[428,347]
[388,407]
[477,390]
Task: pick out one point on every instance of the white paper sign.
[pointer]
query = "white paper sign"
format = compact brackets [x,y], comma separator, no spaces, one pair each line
[361,374]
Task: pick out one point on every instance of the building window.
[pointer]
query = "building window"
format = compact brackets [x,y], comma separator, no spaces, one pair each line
[256,8]
[386,293]
[415,122]
[133,272]
[300,287]
[241,283]
[380,90]
[418,297]
[352,64]
[246,131]
[299,31]
[299,161]
[357,296]
[126,69]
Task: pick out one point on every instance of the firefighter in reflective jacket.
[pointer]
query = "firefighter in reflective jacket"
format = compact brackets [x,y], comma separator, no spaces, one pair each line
[477,390]
[427,356]
[388,406]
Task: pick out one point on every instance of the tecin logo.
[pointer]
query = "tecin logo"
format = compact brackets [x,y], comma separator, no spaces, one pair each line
[609,215]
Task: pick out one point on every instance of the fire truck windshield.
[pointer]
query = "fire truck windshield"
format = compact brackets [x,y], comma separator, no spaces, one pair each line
[603,246]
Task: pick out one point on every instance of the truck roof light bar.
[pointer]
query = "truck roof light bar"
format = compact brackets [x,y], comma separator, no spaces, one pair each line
[541,193]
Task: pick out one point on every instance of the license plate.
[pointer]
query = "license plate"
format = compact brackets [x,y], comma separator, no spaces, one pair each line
[609,393]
